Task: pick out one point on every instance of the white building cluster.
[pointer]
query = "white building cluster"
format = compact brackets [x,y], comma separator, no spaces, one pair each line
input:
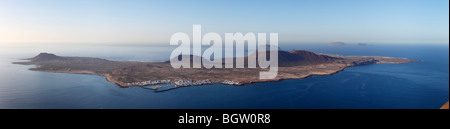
[179,83]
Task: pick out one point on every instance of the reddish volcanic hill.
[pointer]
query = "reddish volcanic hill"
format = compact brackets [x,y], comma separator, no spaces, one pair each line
[301,57]
[285,59]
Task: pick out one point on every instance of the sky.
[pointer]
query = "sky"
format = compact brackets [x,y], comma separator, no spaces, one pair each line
[154,21]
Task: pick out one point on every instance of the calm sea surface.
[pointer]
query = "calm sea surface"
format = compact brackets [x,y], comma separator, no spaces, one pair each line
[415,85]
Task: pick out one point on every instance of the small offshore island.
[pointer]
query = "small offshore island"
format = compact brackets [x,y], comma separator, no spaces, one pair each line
[295,64]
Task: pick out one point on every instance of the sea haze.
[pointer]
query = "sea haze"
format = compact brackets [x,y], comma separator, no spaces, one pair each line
[387,86]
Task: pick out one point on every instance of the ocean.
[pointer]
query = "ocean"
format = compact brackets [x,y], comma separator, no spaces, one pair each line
[421,85]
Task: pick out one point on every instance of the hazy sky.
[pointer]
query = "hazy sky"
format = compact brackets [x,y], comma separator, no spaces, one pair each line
[296,21]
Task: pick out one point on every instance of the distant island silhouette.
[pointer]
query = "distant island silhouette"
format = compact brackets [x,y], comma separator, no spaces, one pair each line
[345,44]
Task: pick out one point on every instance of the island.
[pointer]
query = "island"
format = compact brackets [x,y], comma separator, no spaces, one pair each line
[296,64]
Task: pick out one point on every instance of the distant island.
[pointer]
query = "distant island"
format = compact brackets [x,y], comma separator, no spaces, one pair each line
[295,64]
[345,44]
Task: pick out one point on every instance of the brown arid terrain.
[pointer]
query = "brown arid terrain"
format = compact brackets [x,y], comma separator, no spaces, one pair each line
[445,106]
[295,64]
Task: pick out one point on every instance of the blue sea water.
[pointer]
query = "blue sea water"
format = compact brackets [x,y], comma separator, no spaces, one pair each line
[421,85]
